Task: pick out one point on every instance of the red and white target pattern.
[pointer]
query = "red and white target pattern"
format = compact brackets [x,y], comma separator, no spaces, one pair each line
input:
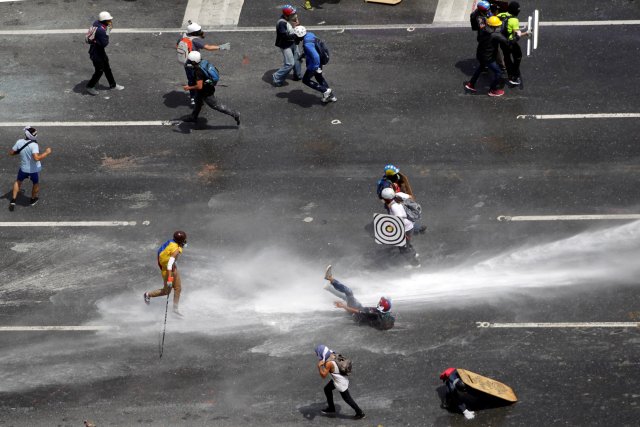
[388,230]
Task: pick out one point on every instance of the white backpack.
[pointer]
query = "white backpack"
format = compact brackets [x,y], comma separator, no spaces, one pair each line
[90,36]
[185,45]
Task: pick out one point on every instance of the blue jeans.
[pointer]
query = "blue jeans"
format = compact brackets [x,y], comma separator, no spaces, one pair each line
[291,61]
[322,84]
[348,294]
[495,69]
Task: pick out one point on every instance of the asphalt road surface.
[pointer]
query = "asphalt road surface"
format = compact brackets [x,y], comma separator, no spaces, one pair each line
[269,204]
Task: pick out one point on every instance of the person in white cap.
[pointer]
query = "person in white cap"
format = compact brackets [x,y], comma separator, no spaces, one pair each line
[30,166]
[193,40]
[98,39]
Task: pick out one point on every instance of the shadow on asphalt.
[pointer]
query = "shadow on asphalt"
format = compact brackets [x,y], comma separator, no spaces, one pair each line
[202,124]
[301,99]
[176,98]
[81,87]
[467,66]
[310,412]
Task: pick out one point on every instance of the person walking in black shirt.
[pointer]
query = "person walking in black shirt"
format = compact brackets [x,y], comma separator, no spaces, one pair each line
[487,52]
[98,38]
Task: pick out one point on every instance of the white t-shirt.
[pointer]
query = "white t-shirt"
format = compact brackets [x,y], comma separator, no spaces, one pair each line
[341,382]
[27,164]
[397,209]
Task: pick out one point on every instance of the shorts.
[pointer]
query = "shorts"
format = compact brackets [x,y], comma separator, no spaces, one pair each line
[32,176]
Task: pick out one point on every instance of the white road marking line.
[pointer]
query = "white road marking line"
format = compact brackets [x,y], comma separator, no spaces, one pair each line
[192,12]
[580,116]
[560,325]
[464,25]
[55,328]
[453,10]
[91,123]
[506,218]
[70,224]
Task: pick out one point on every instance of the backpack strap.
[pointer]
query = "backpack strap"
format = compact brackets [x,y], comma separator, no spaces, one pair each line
[24,146]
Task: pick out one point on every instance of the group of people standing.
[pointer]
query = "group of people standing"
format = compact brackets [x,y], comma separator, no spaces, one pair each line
[498,31]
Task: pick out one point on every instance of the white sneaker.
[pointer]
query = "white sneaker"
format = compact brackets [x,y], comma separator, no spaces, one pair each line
[117,87]
[92,91]
[328,274]
[326,95]
[469,414]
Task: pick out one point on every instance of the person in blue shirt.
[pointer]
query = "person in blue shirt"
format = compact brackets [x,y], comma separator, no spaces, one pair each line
[30,166]
[314,68]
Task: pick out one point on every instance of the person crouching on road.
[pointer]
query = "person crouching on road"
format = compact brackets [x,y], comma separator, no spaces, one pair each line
[167,256]
[192,40]
[99,39]
[455,390]
[489,42]
[30,165]
[379,317]
[205,92]
[314,68]
[328,366]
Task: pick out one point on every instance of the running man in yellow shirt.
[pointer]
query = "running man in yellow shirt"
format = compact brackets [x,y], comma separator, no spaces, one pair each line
[167,256]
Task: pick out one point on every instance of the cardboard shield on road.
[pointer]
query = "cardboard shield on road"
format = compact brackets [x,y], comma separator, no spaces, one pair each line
[487,385]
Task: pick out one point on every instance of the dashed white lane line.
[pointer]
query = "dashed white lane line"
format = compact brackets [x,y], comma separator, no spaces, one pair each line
[55,328]
[92,123]
[464,24]
[71,223]
[580,116]
[453,10]
[560,325]
[506,218]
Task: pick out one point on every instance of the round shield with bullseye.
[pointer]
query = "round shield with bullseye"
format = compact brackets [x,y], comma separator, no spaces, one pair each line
[388,230]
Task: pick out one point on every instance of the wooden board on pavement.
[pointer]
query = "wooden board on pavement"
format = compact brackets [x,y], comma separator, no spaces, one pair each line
[487,385]
[383,1]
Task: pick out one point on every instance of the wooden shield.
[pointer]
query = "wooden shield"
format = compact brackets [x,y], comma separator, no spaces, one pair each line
[487,385]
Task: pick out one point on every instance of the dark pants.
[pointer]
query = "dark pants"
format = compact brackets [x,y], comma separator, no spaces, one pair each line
[512,59]
[496,82]
[101,67]
[209,97]
[322,84]
[348,294]
[328,391]
[452,395]
[191,80]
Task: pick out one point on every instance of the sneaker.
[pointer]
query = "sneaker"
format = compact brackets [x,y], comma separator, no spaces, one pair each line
[469,86]
[326,95]
[422,229]
[92,91]
[497,92]
[514,81]
[33,201]
[117,87]
[193,101]
[296,78]
[328,411]
[359,416]
[328,274]
[237,117]
[12,205]
[277,84]
[147,298]
[177,313]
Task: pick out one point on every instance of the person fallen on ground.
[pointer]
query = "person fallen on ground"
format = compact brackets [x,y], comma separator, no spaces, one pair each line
[193,39]
[393,205]
[489,43]
[512,51]
[379,317]
[314,66]
[168,254]
[286,41]
[454,392]
[205,92]
[30,165]
[99,40]
[327,366]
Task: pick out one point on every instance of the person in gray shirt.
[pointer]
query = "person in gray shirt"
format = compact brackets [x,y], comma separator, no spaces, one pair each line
[30,165]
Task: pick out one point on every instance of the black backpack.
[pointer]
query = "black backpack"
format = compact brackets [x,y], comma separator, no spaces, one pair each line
[344,365]
[323,51]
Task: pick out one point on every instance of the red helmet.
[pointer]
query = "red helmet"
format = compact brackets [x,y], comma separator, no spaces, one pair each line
[384,305]
[180,237]
[288,10]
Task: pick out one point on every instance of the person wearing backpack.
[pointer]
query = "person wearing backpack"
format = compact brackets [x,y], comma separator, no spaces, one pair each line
[489,42]
[286,41]
[328,365]
[393,205]
[479,16]
[30,166]
[192,40]
[206,77]
[378,317]
[98,39]
[316,55]
[512,51]
[168,254]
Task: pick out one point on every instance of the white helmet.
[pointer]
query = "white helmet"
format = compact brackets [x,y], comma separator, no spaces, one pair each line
[193,28]
[300,31]
[104,16]
[194,56]
[388,193]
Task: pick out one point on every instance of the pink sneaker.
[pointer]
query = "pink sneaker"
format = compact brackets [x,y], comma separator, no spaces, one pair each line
[497,92]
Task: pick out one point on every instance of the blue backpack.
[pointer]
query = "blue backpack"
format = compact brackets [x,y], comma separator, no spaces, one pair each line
[210,71]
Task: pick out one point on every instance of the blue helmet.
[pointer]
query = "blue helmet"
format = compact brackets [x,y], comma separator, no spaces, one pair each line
[390,170]
[323,352]
[483,5]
